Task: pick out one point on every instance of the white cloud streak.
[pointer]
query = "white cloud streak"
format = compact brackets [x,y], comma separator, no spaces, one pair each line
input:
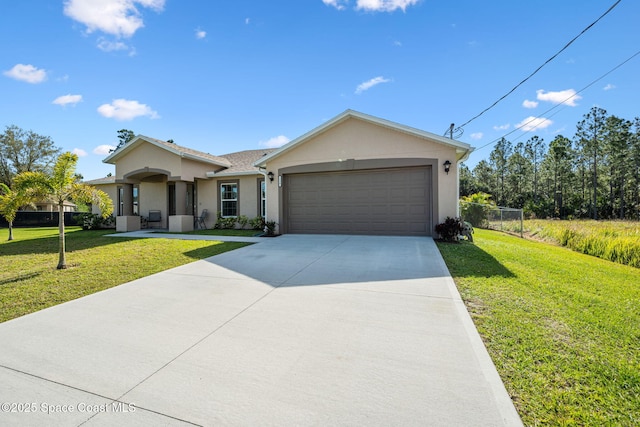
[275,142]
[502,127]
[529,104]
[373,5]
[120,18]
[124,109]
[568,97]
[104,150]
[477,135]
[534,123]
[79,152]
[65,100]
[609,87]
[201,34]
[362,87]
[27,73]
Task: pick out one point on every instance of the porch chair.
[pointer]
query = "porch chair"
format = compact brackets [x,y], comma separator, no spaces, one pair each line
[200,220]
[154,216]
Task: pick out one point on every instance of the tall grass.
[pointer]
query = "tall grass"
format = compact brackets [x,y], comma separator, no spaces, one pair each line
[617,241]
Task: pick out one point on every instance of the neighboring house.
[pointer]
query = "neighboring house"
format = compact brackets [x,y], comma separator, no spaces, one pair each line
[49,206]
[355,174]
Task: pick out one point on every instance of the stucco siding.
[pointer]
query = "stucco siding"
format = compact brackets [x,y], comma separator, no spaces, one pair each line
[147,155]
[360,140]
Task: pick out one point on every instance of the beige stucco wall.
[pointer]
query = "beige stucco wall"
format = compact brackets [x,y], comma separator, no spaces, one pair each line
[147,156]
[150,156]
[112,192]
[360,140]
[153,196]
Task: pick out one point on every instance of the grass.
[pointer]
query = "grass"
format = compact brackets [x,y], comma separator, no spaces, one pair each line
[562,328]
[617,241]
[221,232]
[30,282]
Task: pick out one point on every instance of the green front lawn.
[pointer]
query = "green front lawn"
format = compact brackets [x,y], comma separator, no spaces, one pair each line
[563,328]
[30,282]
[221,232]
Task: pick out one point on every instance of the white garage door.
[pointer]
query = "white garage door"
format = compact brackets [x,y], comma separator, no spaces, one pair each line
[379,201]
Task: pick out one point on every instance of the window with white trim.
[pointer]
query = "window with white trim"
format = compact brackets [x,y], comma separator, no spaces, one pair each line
[263,199]
[229,199]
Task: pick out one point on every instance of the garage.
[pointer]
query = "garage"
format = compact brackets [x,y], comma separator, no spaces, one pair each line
[391,201]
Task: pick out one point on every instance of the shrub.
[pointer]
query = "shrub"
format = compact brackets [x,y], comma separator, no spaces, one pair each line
[257,223]
[89,221]
[450,229]
[225,223]
[475,209]
[243,220]
[270,228]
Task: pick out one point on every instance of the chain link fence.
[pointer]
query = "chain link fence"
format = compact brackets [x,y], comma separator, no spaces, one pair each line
[493,217]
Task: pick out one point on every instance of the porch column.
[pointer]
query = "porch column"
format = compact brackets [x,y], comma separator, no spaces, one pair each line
[181,198]
[181,221]
[127,221]
[127,200]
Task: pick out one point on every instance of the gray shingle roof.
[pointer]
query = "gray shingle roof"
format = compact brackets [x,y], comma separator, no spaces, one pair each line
[189,151]
[99,181]
[242,161]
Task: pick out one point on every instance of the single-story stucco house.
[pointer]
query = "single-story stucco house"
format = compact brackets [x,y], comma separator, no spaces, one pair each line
[354,174]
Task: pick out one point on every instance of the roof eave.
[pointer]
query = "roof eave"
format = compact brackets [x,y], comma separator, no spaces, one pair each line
[458,145]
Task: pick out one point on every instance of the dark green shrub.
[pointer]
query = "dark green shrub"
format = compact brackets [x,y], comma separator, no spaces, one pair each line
[450,229]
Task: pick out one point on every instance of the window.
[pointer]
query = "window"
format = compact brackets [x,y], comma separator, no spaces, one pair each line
[120,201]
[263,199]
[229,199]
[136,190]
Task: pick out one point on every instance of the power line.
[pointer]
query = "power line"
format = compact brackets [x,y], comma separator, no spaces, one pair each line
[540,67]
[561,103]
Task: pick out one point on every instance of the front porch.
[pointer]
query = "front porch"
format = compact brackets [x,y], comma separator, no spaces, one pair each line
[153,199]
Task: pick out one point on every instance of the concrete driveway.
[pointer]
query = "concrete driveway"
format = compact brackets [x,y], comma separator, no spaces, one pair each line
[294,330]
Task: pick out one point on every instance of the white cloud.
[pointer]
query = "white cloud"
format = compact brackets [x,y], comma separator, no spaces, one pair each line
[477,135]
[384,5]
[397,43]
[275,142]
[110,46]
[124,109]
[65,100]
[338,4]
[373,5]
[533,123]
[120,18]
[502,127]
[247,21]
[370,83]
[79,152]
[200,34]
[27,73]
[529,104]
[104,149]
[609,87]
[567,97]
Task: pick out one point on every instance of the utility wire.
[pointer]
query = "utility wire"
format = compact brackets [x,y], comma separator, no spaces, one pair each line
[540,67]
[561,103]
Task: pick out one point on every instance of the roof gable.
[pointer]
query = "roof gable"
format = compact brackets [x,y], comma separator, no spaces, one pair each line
[178,150]
[462,148]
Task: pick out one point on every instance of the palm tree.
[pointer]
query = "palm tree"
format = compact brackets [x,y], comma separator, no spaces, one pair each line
[10,202]
[62,185]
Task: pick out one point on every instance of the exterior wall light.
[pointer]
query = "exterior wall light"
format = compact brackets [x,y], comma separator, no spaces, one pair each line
[270,175]
[447,166]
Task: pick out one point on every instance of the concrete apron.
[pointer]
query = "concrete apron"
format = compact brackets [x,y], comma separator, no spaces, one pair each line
[295,330]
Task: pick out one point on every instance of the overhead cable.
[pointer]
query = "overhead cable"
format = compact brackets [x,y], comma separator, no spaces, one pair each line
[540,67]
[561,103]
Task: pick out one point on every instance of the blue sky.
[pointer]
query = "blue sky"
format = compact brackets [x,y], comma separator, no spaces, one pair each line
[230,76]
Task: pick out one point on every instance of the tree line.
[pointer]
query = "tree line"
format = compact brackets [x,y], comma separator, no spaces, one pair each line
[594,174]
